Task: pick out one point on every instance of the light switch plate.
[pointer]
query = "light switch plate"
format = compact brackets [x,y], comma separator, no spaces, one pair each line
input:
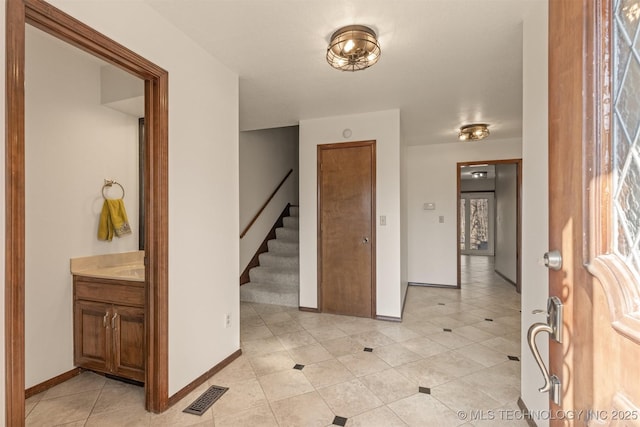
[383,220]
[441,219]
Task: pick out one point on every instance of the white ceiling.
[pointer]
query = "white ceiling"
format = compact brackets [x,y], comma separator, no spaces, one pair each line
[444,63]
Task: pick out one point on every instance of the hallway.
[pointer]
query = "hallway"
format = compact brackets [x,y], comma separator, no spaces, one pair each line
[454,357]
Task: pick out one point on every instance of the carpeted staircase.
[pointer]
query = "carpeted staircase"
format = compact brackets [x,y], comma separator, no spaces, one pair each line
[277,279]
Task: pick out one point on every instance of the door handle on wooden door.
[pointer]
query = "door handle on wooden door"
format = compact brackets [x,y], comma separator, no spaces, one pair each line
[365,240]
[553,327]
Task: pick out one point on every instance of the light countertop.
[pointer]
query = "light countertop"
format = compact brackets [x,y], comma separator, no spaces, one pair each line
[121,266]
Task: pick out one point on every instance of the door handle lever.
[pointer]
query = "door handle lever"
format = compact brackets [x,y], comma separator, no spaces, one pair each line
[554,328]
[534,330]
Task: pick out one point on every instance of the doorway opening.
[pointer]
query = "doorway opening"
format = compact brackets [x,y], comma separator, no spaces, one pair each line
[489,216]
[66,28]
[477,217]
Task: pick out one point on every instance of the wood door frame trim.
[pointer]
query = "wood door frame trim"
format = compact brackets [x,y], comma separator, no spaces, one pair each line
[340,145]
[518,163]
[63,26]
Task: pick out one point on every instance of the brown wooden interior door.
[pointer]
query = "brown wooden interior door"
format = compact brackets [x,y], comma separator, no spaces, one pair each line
[594,190]
[346,228]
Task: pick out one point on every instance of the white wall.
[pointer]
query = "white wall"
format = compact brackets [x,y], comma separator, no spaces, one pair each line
[506,221]
[265,158]
[203,183]
[72,143]
[535,195]
[117,84]
[2,205]
[384,128]
[431,177]
[121,91]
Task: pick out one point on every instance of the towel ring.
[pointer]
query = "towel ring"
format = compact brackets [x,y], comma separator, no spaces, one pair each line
[110,183]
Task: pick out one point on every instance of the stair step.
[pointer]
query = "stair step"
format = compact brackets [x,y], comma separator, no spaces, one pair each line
[288,234]
[291,222]
[277,279]
[269,259]
[283,247]
[284,276]
[269,293]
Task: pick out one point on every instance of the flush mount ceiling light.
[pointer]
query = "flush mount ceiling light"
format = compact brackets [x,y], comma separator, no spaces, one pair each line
[353,48]
[473,132]
[479,174]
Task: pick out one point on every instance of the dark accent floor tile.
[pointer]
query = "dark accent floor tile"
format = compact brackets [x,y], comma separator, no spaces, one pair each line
[447,330]
[425,390]
[440,303]
[489,320]
[368,349]
[514,358]
[339,421]
[298,367]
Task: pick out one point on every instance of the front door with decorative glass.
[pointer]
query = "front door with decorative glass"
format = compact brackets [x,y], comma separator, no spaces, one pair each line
[594,217]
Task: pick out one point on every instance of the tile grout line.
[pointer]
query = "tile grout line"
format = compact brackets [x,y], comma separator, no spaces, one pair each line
[94,403]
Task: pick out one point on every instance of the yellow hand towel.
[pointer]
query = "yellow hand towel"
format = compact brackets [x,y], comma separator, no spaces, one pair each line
[118,216]
[105,227]
[113,220]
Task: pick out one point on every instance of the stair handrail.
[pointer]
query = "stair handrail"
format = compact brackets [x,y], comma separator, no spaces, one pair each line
[255,217]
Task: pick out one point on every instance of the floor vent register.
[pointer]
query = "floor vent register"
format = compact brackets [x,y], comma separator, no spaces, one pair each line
[206,399]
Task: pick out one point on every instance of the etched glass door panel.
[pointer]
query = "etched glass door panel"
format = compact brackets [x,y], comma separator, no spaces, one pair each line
[626,127]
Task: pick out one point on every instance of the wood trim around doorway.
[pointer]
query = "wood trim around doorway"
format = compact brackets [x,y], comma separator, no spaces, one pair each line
[518,163]
[320,148]
[66,28]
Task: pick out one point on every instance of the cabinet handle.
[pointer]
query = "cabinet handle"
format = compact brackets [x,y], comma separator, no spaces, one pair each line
[113,321]
[104,320]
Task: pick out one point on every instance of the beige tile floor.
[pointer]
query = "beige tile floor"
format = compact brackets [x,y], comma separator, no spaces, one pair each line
[465,369]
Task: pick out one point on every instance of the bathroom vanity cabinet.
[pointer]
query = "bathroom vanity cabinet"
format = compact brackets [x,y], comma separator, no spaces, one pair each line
[109,326]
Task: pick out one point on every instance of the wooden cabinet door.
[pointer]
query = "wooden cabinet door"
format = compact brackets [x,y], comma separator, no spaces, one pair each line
[128,342]
[109,327]
[92,340]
